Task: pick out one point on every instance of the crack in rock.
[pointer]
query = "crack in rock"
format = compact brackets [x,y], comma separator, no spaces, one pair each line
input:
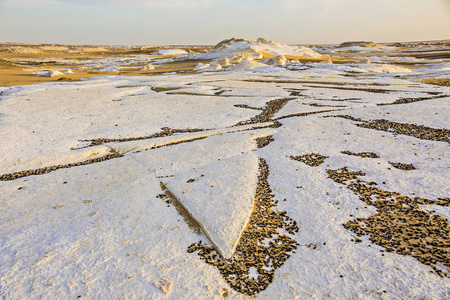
[165,131]
[411,100]
[271,108]
[361,154]
[303,114]
[46,170]
[261,249]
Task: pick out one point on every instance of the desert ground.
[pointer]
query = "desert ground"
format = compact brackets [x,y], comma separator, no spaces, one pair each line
[244,170]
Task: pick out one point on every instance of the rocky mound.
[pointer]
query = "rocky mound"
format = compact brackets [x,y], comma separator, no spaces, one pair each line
[235,48]
[225,43]
[359,44]
[4,64]
[248,63]
[20,50]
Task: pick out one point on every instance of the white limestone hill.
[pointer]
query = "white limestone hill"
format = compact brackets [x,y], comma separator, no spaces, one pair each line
[231,48]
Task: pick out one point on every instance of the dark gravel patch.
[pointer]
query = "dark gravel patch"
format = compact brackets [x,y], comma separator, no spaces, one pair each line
[418,131]
[271,108]
[312,159]
[246,106]
[253,251]
[165,131]
[303,114]
[369,90]
[46,170]
[348,117]
[399,225]
[361,154]
[401,166]
[262,142]
[437,81]
[411,100]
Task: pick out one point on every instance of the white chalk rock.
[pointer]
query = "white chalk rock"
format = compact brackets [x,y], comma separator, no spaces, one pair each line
[224,62]
[279,60]
[230,47]
[248,63]
[54,73]
[171,52]
[255,52]
[220,198]
[262,40]
[386,68]
[110,69]
[213,67]
[238,57]
[267,61]
[201,66]
[148,67]
[49,73]
[327,62]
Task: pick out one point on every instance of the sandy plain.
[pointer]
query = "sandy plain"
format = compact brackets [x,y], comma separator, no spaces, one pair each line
[17,67]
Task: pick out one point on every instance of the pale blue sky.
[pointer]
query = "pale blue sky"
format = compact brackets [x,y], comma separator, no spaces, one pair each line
[159,22]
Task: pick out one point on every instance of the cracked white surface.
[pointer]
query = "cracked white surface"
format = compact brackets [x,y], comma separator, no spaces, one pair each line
[220,197]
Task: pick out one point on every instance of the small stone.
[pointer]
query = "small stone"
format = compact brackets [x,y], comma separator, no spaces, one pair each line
[164,285]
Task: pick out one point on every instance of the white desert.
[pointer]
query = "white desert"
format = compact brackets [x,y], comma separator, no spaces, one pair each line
[245,170]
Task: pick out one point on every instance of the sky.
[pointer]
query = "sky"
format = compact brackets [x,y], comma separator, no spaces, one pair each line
[194,22]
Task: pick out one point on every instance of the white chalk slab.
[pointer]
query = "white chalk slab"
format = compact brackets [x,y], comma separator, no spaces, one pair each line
[220,197]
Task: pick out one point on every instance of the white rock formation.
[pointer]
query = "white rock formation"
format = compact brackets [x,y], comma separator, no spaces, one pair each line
[49,73]
[327,62]
[263,40]
[148,67]
[279,60]
[220,198]
[228,48]
[201,66]
[248,63]
[213,67]
[208,67]
[171,52]
[238,57]
[224,62]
